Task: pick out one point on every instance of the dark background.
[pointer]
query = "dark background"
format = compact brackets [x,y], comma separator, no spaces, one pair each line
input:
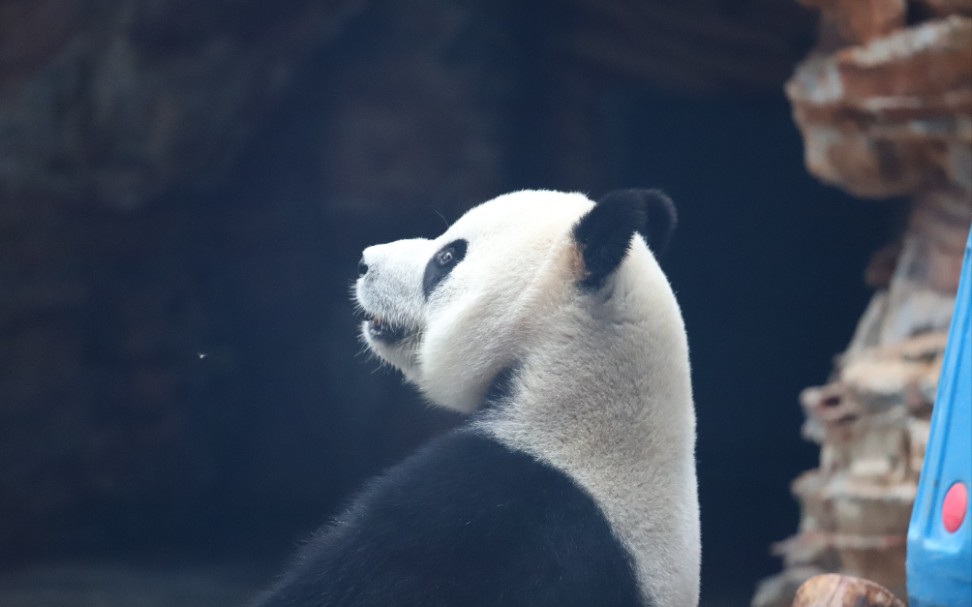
[204,396]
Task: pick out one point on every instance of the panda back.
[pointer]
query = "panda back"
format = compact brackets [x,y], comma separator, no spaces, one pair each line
[466,521]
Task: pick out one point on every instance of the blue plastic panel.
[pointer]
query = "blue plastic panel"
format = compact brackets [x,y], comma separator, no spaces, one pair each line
[939,561]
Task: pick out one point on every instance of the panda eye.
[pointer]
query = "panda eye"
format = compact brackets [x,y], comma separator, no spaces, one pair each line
[445,256]
[441,264]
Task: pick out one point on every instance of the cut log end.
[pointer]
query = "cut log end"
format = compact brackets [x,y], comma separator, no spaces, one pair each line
[833,590]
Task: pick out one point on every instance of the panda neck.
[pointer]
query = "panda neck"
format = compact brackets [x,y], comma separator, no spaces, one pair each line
[571,404]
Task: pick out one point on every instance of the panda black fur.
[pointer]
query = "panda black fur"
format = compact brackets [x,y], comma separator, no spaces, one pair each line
[573,483]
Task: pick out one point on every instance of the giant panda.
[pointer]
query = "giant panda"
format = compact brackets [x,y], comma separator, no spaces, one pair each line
[544,317]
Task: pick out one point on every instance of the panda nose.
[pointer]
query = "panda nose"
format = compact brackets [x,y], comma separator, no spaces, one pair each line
[362,267]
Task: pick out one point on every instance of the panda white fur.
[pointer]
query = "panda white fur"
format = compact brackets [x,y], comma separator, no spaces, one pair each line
[541,315]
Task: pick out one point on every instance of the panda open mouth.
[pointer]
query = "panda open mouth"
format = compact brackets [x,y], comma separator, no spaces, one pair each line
[385,330]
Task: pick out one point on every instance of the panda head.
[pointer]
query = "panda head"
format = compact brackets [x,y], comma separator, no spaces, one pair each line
[454,312]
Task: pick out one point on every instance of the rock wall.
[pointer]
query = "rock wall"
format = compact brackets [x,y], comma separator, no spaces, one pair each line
[107,106]
[885,109]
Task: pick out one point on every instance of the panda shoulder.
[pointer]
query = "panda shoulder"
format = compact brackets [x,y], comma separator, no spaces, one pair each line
[476,515]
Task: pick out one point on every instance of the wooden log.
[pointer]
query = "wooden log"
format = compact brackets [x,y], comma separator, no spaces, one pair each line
[834,590]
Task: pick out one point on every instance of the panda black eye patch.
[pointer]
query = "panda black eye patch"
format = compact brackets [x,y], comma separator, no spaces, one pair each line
[441,264]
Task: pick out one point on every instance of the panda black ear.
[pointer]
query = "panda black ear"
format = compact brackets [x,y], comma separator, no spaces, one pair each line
[603,235]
